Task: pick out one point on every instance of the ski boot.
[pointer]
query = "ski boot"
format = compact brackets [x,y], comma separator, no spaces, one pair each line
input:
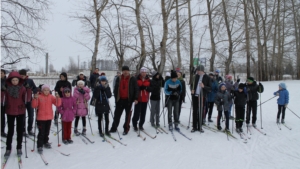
[70,141]
[125,133]
[170,127]
[193,130]
[176,127]
[83,132]
[277,121]
[254,125]
[238,130]
[210,120]
[101,134]
[141,128]
[219,128]
[7,153]
[19,152]
[47,145]
[76,132]
[201,130]
[135,129]
[40,150]
[30,133]
[107,132]
[282,121]
[65,142]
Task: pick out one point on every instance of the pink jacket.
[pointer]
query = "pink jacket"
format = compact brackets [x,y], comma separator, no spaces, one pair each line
[81,100]
[44,106]
[67,109]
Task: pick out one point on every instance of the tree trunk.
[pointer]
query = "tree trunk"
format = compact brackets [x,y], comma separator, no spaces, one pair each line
[278,42]
[141,32]
[191,42]
[97,37]
[247,37]
[178,36]
[163,42]
[212,41]
[297,36]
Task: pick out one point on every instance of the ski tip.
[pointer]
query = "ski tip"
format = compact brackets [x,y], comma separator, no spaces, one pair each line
[144,138]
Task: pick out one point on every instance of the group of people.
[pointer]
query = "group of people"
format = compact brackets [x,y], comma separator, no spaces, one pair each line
[130,93]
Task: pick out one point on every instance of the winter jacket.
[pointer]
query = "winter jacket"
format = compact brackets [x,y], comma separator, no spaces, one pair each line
[93,79]
[253,90]
[183,92]
[30,88]
[67,109]
[240,98]
[114,81]
[3,90]
[101,94]
[213,91]
[44,105]
[81,100]
[144,93]
[219,79]
[61,84]
[206,82]
[283,96]
[133,90]
[156,85]
[74,82]
[229,86]
[225,97]
[173,89]
[15,106]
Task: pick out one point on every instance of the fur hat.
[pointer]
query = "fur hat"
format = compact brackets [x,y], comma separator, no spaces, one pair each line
[81,73]
[80,82]
[45,86]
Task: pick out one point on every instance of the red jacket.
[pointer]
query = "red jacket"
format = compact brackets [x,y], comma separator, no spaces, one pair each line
[124,84]
[144,93]
[15,106]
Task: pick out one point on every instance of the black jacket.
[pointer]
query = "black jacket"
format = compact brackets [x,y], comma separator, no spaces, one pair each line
[240,98]
[93,79]
[60,85]
[253,90]
[156,85]
[101,95]
[183,91]
[132,87]
[74,82]
[205,80]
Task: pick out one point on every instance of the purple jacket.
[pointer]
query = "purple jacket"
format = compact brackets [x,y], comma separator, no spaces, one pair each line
[67,109]
[81,100]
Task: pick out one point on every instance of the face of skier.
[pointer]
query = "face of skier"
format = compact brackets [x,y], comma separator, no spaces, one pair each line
[80,85]
[157,76]
[96,70]
[223,88]
[67,93]
[200,72]
[143,74]
[249,82]
[125,73]
[211,76]
[178,74]
[119,74]
[280,88]
[46,91]
[2,75]
[240,90]
[103,83]
[23,76]
[81,76]
[15,81]
[174,79]
[62,77]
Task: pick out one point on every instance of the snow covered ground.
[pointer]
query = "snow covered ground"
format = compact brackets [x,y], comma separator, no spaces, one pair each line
[278,149]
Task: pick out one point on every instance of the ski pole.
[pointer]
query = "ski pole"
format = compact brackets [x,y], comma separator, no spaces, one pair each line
[190,115]
[266,101]
[89,117]
[234,116]
[102,115]
[58,145]
[25,126]
[164,106]
[293,112]
[113,117]
[34,131]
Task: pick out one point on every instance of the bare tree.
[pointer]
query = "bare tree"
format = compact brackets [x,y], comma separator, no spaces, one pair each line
[20,22]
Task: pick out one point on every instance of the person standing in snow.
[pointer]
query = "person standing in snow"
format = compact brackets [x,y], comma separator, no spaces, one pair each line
[101,95]
[211,97]
[282,101]
[173,91]
[82,96]
[126,92]
[230,88]
[3,91]
[252,90]
[93,78]
[183,93]
[240,99]
[43,103]
[115,78]
[223,100]
[140,109]
[156,84]
[200,80]
[218,77]
[81,77]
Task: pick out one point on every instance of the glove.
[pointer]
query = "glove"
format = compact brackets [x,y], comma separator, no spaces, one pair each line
[142,87]
[285,105]
[81,91]
[238,80]
[277,94]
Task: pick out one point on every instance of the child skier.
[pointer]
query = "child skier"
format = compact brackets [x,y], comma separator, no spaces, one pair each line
[43,102]
[82,96]
[15,110]
[282,101]
[67,109]
[240,99]
[101,94]
[223,101]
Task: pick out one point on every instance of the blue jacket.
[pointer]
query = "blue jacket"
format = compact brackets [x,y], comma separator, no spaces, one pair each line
[214,90]
[173,89]
[283,97]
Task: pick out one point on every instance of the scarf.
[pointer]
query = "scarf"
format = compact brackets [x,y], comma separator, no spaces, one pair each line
[13,91]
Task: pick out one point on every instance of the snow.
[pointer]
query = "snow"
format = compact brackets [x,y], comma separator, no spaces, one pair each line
[278,149]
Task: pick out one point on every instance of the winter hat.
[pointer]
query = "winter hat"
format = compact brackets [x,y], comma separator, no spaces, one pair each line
[45,87]
[282,85]
[173,75]
[125,68]
[23,72]
[228,77]
[66,89]
[200,68]
[81,73]
[154,73]
[102,78]
[177,69]
[222,84]
[168,74]
[241,86]
[102,74]
[143,69]
[251,79]
[211,74]
[217,71]
[80,82]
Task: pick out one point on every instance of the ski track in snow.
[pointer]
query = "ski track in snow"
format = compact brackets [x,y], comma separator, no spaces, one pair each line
[278,149]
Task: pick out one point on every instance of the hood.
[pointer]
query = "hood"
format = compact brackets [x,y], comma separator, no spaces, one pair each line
[65,75]
[282,85]
[13,75]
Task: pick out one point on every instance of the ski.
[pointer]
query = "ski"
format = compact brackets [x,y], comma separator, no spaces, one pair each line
[106,140]
[116,140]
[229,134]
[62,153]
[139,135]
[246,135]
[153,137]
[4,162]
[287,126]
[44,160]
[209,128]
[173,135]
[20,162]
[278,125]
[182,125]
[183,135]
[261,131]
[88,139]
[242,137]
[83,139]
[158,130]
[163,130]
